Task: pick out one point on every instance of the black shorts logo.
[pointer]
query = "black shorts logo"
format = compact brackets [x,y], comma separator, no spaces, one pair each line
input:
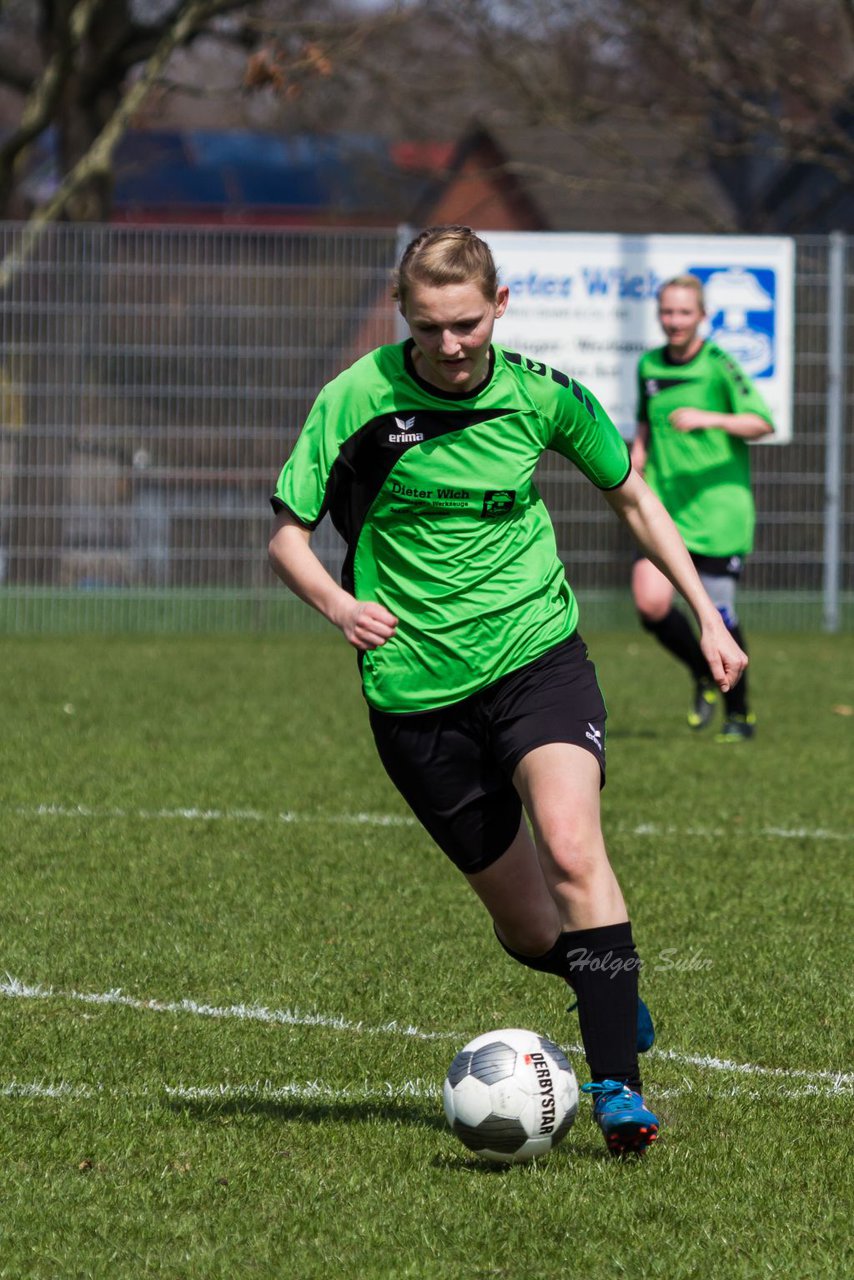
[497,502]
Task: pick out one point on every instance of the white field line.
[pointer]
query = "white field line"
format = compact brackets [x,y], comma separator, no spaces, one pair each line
[317,1091]
[214,815]
[244,1012]
[262,1091]
[824,1082]
[190,814]
[729,833]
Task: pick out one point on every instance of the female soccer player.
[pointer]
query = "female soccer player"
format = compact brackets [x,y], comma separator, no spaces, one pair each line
[697,412]
[483,703]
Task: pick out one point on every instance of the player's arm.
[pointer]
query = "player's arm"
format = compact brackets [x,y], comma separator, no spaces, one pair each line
[747,426]
[365,623]
[640,447]
[639,508]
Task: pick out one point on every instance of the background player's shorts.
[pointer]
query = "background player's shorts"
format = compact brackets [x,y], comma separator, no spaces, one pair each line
[454,766]
[719,575]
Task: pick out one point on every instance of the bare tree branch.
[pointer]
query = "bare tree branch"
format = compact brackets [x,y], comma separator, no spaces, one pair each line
[726,69]
[14,74]
[42,101]
[98,159]
[125,49]
[847,8]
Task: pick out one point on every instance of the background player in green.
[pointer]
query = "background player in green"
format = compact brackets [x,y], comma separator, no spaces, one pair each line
[697,411]
[482,700]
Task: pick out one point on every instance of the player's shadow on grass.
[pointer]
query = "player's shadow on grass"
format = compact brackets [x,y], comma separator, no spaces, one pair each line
[575,1147]
[308,1112]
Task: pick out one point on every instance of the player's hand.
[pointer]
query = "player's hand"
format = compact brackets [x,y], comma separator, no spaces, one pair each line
[726,659]
[689,419]
[367,625]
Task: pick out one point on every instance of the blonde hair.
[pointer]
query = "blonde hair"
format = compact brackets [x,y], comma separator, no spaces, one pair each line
[686,281]
[445,255]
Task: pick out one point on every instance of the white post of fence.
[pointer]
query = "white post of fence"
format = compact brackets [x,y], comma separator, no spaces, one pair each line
[836,396]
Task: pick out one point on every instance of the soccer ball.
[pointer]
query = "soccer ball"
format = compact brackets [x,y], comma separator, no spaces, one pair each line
[510,1095]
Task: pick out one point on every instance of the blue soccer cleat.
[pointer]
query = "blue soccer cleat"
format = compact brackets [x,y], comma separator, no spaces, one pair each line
[627,1124]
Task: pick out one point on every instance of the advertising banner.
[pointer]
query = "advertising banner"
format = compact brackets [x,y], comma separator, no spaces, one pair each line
[586,304]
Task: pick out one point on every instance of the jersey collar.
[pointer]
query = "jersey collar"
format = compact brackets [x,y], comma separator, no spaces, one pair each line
[409,365]
[682,364]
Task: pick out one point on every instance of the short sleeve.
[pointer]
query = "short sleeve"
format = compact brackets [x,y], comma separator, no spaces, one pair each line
[303,481]
[742,392]
[584,433]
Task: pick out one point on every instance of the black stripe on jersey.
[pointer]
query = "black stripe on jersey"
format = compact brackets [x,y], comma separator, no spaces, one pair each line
[738,375]
[537,366]
[366,459]
[562,379]
[579,394]
[665,384]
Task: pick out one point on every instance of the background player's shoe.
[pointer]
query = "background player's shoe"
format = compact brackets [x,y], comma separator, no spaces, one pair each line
[626,1122]
[737,729]
[705,701]
[646,1030]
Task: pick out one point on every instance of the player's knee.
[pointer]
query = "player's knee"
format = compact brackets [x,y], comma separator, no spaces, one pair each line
[652,595]
[652,612]
[527,940]
[576,854]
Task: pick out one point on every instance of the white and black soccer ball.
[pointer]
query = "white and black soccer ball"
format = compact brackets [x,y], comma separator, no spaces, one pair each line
[510,1095]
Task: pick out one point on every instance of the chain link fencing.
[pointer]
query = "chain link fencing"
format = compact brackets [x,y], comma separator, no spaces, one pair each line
[152,382]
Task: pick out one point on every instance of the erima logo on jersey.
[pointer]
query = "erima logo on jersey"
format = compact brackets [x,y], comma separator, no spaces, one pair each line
[404,433]
[594,735]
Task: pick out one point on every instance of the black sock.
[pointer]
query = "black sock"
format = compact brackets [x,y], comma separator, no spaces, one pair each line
[601,965]
[735,700]
[676,634]
[602,969]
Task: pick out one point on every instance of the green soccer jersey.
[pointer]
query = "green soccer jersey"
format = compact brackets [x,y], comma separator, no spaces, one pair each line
[434,496]
[702,477]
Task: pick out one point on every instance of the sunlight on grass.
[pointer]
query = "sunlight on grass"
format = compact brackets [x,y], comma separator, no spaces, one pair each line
[237,973]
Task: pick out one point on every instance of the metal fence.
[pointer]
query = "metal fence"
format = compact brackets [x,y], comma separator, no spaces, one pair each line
[153,381]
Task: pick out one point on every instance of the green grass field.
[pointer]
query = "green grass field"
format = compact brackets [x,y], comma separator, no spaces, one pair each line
[236,973]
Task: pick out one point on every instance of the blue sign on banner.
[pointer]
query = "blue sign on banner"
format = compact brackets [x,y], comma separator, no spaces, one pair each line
[741,308]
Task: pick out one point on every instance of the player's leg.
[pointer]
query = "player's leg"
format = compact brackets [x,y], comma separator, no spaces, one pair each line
[548,709]
[559,785]
[535,894]
[440,763]
[515,893]
[466,801]
[739,723]
[653,597]
[595,952]
[547,726]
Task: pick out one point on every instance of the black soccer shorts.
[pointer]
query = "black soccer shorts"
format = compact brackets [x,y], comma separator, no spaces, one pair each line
[454,766]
